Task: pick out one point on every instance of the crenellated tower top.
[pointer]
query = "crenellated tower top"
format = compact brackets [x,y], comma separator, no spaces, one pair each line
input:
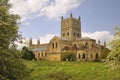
[70,28]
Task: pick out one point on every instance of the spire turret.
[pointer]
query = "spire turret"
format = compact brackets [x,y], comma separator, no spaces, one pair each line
[98,41]
[38,42]
[30,42]
[105,44]
[62,18]
[79,18]
[71,15]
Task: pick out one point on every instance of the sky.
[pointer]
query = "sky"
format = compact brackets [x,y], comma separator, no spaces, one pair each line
[41,18]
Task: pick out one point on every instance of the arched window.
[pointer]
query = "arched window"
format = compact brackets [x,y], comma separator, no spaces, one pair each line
[74,34]
[68,34]
[52,45]
[77,35]
[91,56]
[42,54]
[74,44]
[83,57]
[97,56]
[38,54]
[45,54]
[56,44]
[79,56]
[63,34]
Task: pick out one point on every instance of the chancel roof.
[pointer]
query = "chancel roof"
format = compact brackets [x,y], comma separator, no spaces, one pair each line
[85,38]
[40,49]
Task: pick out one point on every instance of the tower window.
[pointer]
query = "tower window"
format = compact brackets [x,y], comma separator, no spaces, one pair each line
[68,34]
[63,34]
[77,35]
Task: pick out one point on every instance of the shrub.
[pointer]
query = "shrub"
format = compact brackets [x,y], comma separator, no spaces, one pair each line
[70,56]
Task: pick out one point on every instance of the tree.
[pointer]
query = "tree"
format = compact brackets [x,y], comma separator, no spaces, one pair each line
[11,65]
[113,59]
[104,53]
[8,25]
[70,56]
[26,54]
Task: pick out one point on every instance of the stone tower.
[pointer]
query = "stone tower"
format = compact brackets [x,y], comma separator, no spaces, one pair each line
[70,28]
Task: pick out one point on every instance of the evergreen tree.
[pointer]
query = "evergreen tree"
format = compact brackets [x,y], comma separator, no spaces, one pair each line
[26,54]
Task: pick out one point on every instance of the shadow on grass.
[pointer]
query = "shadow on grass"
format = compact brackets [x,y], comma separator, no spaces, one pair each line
[61,75]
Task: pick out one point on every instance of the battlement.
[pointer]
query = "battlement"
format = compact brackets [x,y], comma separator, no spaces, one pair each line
[70,28]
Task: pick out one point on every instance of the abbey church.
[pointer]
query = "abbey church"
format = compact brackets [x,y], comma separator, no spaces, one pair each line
[85,48]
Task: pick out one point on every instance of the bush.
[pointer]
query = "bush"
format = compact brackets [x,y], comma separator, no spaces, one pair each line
[104,53]
[26,54]
[69,56]
[12,66]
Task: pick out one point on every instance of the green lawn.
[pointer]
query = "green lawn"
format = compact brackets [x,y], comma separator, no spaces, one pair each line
[46,70]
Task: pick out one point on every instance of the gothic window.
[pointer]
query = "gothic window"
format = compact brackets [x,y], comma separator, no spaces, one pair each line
[42,54]
[77,35]
[56,44]
[92,45]
[79,56]
[52,45]
[74,33]
[83,57]
[97,56]
[68,34]
[45,54]
[63,34]
[91,56]
[38,54]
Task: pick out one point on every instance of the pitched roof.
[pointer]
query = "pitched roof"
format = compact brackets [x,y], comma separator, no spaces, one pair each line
[70,48]
[63,39]
[40,49]
[85,38]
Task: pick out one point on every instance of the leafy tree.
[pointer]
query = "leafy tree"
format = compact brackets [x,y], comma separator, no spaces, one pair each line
[26,54]
[11,65]
[104,53]
[8,25]
[70,56]
[113,59]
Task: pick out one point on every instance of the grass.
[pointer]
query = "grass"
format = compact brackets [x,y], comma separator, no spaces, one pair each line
[46,70]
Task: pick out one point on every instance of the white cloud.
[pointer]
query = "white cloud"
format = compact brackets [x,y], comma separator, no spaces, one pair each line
[47,38]
[98,35]
[43,39]
[28,9]
[25,41]
[20,44]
